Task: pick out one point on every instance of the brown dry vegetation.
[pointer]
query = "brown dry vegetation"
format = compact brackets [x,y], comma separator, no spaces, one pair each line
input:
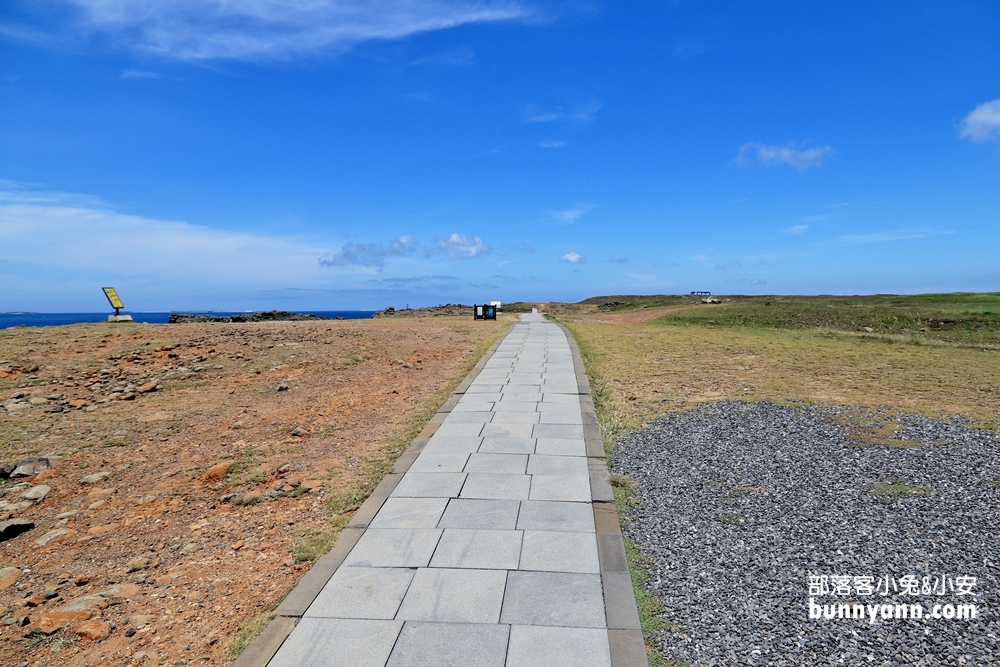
[182,558]
[645,368]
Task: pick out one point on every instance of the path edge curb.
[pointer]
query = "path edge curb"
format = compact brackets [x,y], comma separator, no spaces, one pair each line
[260,651]
[628,646]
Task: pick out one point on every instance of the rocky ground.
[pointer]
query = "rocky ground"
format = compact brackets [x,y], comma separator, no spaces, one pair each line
[175,480]
[736,505]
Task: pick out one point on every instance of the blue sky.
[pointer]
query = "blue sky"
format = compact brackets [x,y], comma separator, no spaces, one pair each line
[340,154]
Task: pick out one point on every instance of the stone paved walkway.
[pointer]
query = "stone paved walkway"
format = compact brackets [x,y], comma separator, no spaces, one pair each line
[485,553]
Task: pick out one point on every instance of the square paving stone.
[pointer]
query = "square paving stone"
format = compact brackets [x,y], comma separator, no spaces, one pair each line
[557,431]
[486,387]
[512,430]
[478,549]
[515,405]
[573,488]
[438,444]
[505,445]
[362,592]
[495,485]
[454,596]
[450,645]
[459,429]
[470,417]
[439,461]
[542,464]
[560,446]
[561,516]
[515,418]
[472,403]
[429,485]
[511,464]
[534,646]
[409,512]
[559,401]
[557,551]
[567,416]
[480,514]
[338,643]
[553,598]
[394,547]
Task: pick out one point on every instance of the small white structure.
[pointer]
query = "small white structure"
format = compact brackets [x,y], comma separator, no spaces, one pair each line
[497,304]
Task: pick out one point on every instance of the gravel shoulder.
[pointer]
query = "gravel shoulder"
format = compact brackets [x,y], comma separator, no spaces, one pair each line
[736,505]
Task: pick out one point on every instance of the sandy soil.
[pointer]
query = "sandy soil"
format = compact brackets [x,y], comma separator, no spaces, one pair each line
[184,491]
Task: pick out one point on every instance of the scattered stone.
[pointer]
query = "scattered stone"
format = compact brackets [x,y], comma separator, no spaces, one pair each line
[95,629]
[68,515]
[252,498]
[146,388]
[237,425]
[298,431]
[81,580]
[33,465]
[55,536]
[9,577]
[282,387]
[103,530]
[14,507]
[100,494]
[189,548]
[34,601]
[138,621]
[78,403]
[13,527]
[36,493]
[95,478]
[219,470]
[236,546]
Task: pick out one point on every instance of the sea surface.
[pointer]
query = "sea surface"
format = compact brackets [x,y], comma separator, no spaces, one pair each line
[56,319]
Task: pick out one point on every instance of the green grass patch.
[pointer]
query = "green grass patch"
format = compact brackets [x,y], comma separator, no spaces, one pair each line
[312,544]
[896,489]
[114,442]
[246,633]
[246,469]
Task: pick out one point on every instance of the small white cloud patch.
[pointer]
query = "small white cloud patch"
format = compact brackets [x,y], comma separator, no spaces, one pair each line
[767,154]
[982,123]
[459,246]
[572,258]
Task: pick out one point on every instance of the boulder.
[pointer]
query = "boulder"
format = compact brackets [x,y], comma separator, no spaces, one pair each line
[95,629]
[36,493]
[219,470]
[55,536]
[95,478]
[13,527]
[9,577]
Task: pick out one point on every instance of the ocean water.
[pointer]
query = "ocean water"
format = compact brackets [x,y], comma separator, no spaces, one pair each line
[57,319]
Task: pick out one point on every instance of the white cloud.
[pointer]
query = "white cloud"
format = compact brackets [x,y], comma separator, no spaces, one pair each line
[794,230]
[572,258]
[891,235]
[571,215]
[370,255]
[982,123]
[459,246]
[583,113]
[797,158]
[66,245]
[260,29]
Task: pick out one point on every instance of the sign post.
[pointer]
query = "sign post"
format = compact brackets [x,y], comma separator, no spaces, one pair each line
[116,303]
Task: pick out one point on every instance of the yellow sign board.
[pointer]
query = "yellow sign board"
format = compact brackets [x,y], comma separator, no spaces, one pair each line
[112,295]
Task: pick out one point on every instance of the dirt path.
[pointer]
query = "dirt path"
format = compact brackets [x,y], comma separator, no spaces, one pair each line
[182,501]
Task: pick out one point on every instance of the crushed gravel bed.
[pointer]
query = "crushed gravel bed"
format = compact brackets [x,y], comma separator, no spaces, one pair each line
[741,508]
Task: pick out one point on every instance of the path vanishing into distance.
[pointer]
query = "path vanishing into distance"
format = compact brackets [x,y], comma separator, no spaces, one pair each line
[494,541]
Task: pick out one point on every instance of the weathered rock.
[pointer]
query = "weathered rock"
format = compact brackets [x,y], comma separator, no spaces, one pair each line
[34,601]
[36,493]
[219,470]
[139,620]
[14,527]
[189,548]
[100,494]
[95,478]
[14,507]
[252,498]
[78,403]
[9,577]
[236,546]
[95,629]
[52,621]
[34,465]
[146,388]
[55,536]
[298,431]
[103,530]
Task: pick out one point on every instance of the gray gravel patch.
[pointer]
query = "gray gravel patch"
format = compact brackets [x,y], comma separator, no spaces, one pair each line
[739,504]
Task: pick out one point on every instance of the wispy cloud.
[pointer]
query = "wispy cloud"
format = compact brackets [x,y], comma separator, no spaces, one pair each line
[196,30]
[572,258]
[571,215]
[795,157]
[794,230]
[982,123]
[890,235]
[369,255]
[582,113]
[552,144]
[459,246]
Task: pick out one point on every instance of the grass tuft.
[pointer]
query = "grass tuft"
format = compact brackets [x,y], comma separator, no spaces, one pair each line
[246,633]
[896,489]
